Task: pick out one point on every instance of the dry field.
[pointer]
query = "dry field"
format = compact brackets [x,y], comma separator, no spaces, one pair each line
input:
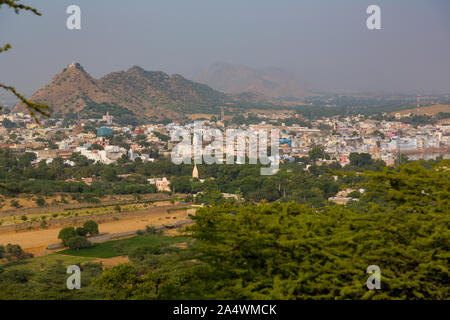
[429,110]
[36,241]
[112,262]
[28,202]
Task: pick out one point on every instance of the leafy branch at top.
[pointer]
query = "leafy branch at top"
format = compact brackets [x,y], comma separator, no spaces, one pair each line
[6,47]
[18,6]
[33,108]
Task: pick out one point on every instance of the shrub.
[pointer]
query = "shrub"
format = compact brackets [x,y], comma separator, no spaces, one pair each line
[43,223]
[354,194]
[13,251]
[24,218]
[152,230]
[16,276]
[141,253]
[40,201]
[15,204]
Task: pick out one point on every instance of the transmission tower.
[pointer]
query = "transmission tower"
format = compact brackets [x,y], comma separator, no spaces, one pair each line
[418,103]
[399,154]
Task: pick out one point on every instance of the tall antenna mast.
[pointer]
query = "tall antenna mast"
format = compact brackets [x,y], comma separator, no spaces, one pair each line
[418,103]
[399,159]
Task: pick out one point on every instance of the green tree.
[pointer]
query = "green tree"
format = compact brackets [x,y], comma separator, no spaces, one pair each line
[109,174]
[67,233]
[91,227]
[181,185]
[316,152]
[81,231]
[78,242]
[14,251]
[15,204]
[120,282]
[360,160]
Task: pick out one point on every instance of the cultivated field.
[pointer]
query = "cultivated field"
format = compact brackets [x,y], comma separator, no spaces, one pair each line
[27,203]
[36,241]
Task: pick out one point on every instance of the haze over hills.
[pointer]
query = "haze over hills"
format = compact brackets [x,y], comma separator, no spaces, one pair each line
[269,82]
[135,93]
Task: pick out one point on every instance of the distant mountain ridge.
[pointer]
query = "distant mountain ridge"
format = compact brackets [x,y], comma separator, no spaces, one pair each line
[269,82]
[144,94]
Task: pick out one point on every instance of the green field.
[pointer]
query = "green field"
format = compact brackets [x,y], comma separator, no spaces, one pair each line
[39,263]
[108,249]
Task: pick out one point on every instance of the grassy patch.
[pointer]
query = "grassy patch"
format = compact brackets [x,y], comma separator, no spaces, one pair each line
[171,210]
[109,249]
[39,263]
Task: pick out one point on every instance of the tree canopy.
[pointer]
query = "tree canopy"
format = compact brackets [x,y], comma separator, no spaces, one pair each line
[293,251]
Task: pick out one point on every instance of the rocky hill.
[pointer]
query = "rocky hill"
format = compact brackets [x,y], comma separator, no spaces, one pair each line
[135,93]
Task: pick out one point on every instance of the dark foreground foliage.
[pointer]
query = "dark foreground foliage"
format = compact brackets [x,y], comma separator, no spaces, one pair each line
[292,251]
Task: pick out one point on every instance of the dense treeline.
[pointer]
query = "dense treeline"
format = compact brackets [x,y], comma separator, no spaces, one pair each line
[292,251]
[292,182]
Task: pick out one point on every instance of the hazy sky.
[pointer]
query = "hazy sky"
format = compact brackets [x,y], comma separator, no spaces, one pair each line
[325,41]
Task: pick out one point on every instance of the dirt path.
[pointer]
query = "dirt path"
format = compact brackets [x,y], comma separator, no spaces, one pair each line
[36,241]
